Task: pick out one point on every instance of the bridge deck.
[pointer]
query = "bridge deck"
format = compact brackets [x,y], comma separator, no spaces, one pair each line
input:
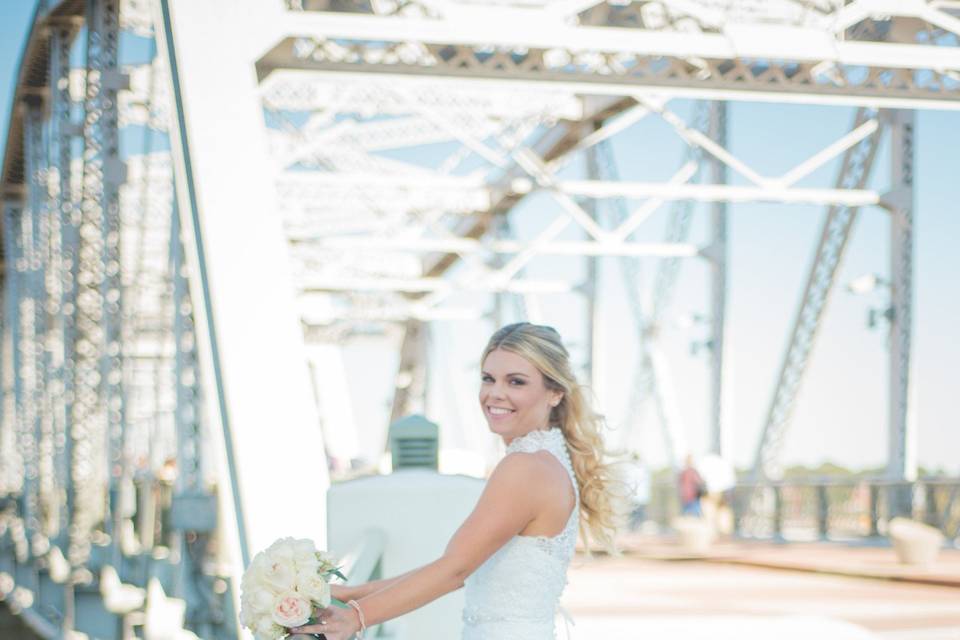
[754,591]
[860,560]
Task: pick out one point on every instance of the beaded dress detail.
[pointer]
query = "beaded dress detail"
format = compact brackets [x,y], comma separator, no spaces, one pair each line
[515,594]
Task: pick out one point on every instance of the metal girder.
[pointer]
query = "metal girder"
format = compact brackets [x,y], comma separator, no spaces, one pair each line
[304,145]
[901,451]
[651,380]
[295,90]
[12,384]
[30,408]
[101,171]
[147,101]
[468,246]
[678,228]
[591,282]
[349,201]
[510,32]
[62,265]
[103,58]
[717,255]
[772,61]
[854,172]
[315,225]
[18,287]
[431,285]
[525,175]
[410,393]
[612,189]
[554,146]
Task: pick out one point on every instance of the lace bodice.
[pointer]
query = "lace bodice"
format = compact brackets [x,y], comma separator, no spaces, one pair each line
[514,595]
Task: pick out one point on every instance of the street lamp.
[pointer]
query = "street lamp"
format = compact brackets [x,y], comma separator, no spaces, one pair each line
[869,283]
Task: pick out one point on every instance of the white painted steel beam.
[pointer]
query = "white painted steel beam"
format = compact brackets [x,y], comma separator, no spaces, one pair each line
[300,90]
[529,30]
[434,285]
[392,312]
[468,245]
[902,412]
[419,180]
[237,253]
[718,192]
[754,41]
[608,189]
[812,93]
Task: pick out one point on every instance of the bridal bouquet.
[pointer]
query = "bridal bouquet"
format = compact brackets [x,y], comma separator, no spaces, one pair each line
[283,587]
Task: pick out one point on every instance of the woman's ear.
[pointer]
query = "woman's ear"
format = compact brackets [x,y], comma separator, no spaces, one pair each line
[557,399]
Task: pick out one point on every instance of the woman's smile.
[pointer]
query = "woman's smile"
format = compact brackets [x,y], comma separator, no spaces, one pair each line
[499,413]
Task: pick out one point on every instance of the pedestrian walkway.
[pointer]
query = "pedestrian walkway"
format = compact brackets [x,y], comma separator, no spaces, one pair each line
[829,558]
[633,598]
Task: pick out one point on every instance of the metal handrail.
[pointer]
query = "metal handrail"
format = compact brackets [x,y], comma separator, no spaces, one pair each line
[850,509]
[362,563]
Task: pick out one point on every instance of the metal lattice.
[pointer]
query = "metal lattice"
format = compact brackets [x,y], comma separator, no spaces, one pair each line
[854,172]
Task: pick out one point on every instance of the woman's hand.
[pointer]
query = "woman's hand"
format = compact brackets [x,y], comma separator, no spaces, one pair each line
[334,623]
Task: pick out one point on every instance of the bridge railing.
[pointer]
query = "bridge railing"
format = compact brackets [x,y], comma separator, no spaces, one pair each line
[825,508]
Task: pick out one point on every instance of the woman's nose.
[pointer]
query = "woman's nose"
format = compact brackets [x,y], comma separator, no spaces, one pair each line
[497,391]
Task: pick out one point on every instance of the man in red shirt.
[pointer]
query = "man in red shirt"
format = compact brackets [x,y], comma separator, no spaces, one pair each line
[691,488]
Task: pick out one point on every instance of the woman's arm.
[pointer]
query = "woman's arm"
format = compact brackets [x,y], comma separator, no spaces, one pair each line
[510,501]
[345,592]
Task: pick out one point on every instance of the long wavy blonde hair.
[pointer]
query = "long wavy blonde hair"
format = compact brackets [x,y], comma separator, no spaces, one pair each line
[598,480]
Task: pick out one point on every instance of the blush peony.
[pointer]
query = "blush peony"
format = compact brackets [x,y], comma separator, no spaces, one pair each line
[291,609]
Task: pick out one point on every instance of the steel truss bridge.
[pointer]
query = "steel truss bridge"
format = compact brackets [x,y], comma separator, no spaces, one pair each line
[198,196]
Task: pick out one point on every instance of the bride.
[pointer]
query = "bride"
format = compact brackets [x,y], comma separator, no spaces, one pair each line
[512,552]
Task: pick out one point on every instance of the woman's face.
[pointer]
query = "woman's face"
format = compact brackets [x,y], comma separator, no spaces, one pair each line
[513,395]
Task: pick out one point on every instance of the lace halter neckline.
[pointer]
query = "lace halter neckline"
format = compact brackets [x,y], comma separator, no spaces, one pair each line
[537,439]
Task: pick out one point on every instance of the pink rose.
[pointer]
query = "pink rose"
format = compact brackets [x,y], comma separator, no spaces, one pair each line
[291,610]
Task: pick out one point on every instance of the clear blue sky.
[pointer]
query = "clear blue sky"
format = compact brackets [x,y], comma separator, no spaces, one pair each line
[841,414]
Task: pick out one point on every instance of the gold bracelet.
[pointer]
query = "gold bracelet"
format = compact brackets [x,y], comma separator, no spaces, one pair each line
[363,623]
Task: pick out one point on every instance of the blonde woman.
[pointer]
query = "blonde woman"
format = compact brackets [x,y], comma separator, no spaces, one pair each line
[512,552]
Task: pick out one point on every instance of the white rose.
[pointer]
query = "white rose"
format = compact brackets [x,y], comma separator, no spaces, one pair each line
[304,553]
[267,628]
[279,575]
[290,609]
[313,587]
[282,548]
[247,616]
[254,573]
[261,600]
[255,603]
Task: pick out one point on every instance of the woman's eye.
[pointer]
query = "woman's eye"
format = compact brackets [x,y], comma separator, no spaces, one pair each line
[517,382]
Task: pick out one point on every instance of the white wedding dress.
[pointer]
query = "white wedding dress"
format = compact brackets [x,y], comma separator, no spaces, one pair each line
[515,594]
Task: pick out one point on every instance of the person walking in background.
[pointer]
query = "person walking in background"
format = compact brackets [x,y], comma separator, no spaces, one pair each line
[638,482]
[691,488]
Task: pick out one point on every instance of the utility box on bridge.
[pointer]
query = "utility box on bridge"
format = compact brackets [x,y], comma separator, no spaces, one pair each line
[414,443]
